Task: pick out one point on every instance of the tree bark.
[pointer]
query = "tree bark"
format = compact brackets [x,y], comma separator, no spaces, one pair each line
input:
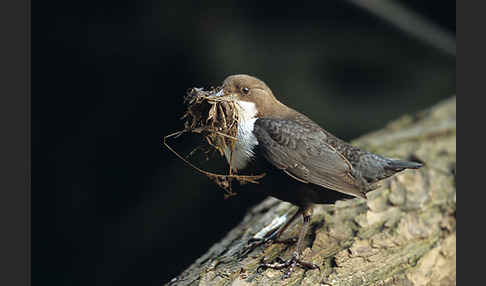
[403,234]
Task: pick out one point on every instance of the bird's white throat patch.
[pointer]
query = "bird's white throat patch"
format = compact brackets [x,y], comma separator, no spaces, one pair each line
[243,151]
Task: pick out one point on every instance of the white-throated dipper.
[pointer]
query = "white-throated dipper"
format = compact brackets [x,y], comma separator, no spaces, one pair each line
[315,166]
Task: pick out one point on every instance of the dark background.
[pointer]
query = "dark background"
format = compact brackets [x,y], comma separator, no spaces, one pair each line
[110,205]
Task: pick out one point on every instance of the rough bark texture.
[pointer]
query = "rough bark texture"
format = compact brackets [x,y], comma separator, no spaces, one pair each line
[404,234]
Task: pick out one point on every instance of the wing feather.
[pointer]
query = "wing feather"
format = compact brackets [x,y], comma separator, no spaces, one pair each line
[304,155]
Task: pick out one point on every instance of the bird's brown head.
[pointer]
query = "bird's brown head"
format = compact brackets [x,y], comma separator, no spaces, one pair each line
[247,88]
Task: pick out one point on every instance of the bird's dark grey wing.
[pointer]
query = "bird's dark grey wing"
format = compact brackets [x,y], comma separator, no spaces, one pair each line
[304,155]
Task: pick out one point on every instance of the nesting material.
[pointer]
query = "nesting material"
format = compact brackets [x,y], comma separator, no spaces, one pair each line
[215,117]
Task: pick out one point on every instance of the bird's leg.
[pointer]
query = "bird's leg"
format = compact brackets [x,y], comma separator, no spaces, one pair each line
[271,236]
[295,259]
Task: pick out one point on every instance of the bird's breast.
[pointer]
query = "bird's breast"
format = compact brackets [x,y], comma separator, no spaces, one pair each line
[246,141]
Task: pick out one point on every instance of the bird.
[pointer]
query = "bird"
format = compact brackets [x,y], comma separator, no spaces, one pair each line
[315,166]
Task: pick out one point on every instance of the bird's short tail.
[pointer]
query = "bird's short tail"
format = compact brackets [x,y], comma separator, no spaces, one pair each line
[398,165]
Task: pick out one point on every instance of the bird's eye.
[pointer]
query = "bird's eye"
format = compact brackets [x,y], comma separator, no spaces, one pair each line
[245,90]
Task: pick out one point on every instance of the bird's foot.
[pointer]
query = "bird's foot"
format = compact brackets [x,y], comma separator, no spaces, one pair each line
[290,265]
